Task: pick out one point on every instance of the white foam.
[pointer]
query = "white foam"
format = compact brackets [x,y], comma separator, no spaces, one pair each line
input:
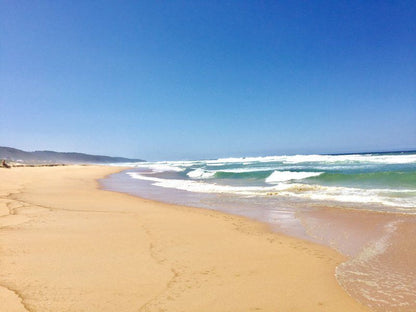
[298,190]
[353,195]
[243,160]
[200,174]
[351,158]
[160,167]
[217,164]
[366,276]
[354,158]
[199,187]
[243,170]
[280,176]
[314,160]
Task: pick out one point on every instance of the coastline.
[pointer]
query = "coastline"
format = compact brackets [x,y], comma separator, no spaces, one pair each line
[378,244]
[68,245]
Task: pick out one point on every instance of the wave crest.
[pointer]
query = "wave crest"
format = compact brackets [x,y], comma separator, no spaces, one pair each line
[280,176]
[200,174]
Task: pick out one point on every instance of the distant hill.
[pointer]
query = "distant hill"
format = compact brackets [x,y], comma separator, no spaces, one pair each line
[50,157]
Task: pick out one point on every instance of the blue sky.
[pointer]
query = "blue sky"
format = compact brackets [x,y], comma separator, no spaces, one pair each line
[203,79]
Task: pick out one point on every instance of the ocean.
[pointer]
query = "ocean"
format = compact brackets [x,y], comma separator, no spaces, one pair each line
[380,181]
[362,205]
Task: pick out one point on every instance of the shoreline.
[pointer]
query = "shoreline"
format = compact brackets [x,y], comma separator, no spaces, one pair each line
[103,250]
[377,271]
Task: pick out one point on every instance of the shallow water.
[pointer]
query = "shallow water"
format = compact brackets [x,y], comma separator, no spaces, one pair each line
[364,206]
[385,180]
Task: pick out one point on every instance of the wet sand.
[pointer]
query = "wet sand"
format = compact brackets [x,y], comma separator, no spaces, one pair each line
[66,245]
[381,270]
[380,246]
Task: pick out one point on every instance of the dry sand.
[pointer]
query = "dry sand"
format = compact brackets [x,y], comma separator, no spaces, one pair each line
[66,245]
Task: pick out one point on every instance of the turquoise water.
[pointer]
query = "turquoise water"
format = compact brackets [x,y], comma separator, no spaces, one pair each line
[385,179]
[301,196]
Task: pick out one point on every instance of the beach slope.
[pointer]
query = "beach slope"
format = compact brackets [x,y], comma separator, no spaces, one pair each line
[66,245]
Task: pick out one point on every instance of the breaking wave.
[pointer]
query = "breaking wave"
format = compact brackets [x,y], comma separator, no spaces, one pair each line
[381,178]
[279,176]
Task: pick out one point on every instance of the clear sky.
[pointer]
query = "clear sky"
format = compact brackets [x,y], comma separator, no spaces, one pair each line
[203,79]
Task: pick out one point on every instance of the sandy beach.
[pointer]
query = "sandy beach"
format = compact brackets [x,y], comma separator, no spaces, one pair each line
[66,245]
